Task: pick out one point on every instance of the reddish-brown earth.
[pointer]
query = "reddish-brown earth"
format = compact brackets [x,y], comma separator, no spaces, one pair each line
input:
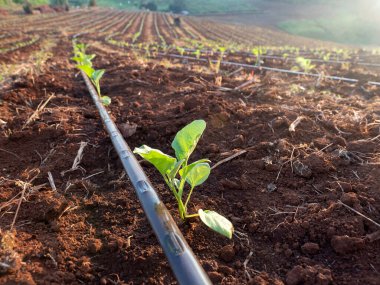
[284,194]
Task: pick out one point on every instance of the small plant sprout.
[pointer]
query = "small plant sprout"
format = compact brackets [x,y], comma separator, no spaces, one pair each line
[84,63]
[135,37]
[197,53]
[304,64]
[177,173]
[180,50]
[258,52]
[222,50]
[326,57]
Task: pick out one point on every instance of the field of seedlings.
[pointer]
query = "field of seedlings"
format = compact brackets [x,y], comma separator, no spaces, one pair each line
[286,129]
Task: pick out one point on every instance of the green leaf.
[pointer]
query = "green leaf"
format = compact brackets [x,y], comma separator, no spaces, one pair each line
[87,58]
[105,100]
[86,69]
[186,169]
[216,222]
[81,47]
[198,174]
[77,59]
[186,139]
[83,59]
[97,74]
[160,160]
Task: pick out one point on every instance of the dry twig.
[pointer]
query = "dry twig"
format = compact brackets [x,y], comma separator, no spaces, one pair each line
[229,158]
[51,181]
[360,214]
[77,159]
[37,112]
[12,153]
[292,127]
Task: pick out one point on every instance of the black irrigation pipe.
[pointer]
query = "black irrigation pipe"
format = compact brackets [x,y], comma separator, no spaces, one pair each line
[289,58]
[181,258]
[352,80]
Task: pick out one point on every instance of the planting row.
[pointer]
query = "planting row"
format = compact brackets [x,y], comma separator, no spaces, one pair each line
[160,29]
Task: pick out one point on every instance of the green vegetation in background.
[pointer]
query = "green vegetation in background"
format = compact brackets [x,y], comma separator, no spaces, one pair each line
[117,4]
[7,3]
[218,6]
[346,29]
[195,7]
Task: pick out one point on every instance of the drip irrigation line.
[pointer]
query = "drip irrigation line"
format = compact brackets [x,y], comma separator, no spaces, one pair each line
[352,80]
[181,258]
[290,58]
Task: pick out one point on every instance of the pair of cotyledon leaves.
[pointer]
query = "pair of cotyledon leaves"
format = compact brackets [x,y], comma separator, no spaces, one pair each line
[195,173]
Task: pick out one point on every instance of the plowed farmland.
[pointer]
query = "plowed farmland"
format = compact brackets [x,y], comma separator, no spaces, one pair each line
[295,150]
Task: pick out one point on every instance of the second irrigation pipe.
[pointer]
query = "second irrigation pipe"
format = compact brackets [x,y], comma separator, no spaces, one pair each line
[181,258]
[331,77]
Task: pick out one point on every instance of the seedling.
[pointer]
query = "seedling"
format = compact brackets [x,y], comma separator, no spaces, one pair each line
[194,174]
[304,64]
[135,37]
[326,57]
[84,63]
[197,53]
[258,52]
[180,50]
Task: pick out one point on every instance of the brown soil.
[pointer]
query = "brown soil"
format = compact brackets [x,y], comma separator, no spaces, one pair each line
[282,194]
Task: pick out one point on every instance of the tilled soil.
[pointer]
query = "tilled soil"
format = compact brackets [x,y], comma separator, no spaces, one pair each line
[293,194]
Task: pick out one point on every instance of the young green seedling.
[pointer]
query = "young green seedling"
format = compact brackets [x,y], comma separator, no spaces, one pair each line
[177,171]
[197,53]
[180,50]
[305,64]
[258,52]
[326,57]
[135,37]
[84,63]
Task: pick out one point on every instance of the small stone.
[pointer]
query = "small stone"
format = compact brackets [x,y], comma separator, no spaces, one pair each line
[128,129]
[227,253]
[310,248]
[346,244]
[271,187]
[322,279]
[302,169]
[215,276]
[296,276]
